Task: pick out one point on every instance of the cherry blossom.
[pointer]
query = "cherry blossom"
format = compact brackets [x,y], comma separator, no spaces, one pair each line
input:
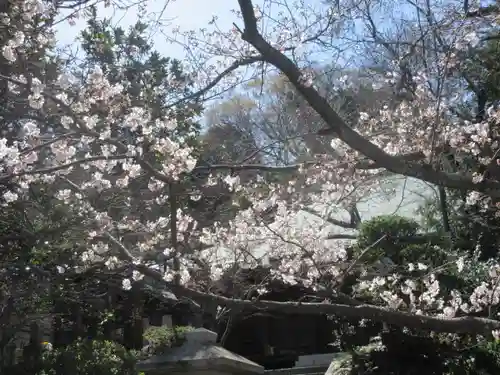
[88,141]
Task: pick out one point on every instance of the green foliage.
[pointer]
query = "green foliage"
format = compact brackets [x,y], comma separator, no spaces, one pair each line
[155,81]
[103,357]
[393,226]
[162,338]
[483,66]
[406,353]
[85,357]
[399,239]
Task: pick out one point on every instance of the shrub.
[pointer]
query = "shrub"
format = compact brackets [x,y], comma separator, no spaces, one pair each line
[401,243]
[160,339]
[85,357]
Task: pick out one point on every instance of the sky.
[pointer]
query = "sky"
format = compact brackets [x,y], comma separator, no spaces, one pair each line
[186,14]
[196,14]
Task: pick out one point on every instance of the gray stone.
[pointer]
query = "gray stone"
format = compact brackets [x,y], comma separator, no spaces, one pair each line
[314,360]
[198,355]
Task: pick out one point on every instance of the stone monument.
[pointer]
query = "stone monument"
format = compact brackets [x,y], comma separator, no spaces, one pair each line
[199,355]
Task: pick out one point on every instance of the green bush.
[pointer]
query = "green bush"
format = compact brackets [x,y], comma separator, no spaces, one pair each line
[102,357]
[401,242]
[393,227]
[160,339]
[85,357]
[410,354]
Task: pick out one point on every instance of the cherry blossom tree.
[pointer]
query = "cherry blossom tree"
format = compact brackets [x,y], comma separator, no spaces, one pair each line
[72,122]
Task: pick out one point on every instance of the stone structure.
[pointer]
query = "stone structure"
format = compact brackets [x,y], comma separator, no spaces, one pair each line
[199,355]
[315,364]
[327,364]
[275,340]
[278,340]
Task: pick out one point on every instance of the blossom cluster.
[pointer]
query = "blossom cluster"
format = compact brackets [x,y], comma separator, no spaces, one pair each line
[86,139]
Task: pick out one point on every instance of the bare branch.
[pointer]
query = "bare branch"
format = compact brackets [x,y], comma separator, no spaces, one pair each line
[338,223]
[235,65]
[341,237]
[362,164]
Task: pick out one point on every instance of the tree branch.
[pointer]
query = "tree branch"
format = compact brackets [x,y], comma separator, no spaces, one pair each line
[338,223]
[235,65]
[468,325]
[362,164]
[341,237]
[345,132]
[65,166]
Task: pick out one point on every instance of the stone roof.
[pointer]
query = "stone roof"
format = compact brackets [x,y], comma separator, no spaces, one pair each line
[200,352]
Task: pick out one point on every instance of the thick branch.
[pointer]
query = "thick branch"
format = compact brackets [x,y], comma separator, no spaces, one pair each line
[469,325]
[456,325]
[341,237]
[443,207]
[419,239]
[250,167]
[362,164]
[344,132]
[173,233]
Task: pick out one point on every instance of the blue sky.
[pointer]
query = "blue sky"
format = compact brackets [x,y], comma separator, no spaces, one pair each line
[186,14]
[196,14]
